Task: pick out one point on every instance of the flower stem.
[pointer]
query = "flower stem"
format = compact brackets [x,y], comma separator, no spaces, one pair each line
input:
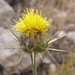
[33,59]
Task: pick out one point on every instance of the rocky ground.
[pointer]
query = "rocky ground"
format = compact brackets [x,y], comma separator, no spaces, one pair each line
[62,13]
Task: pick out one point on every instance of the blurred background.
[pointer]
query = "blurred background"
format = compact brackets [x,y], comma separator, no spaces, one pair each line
[62,13]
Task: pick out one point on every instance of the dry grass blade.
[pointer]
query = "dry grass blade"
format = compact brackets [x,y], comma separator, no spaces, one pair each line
[56,34]
[56,39]
[16,51]
[19,54]
[12,32]
[16,47]
[51,55]
[8,34]
[41,57]
[11,25]
[56,50]
[21,57]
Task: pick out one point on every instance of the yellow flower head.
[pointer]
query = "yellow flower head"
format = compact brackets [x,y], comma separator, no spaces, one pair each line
[32,22]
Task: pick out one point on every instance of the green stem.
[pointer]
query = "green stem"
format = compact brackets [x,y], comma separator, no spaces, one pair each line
[33,59]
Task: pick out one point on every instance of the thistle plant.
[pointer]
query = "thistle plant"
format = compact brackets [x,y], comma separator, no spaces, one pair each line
[33,28]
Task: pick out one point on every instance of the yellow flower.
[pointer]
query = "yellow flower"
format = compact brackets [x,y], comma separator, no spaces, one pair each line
[32,22]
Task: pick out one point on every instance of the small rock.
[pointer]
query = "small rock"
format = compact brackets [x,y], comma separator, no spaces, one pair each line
[6,13]
[46,60]
[71,27]
[32,2]
[52,69]
[71,36]
[62,14]
[61,33]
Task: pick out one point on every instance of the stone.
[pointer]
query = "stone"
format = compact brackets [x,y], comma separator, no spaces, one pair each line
[52,68]
[46,60]
[32,2]
[70,36]
[9,58]
[61,33]
[6,13]
[71,27]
